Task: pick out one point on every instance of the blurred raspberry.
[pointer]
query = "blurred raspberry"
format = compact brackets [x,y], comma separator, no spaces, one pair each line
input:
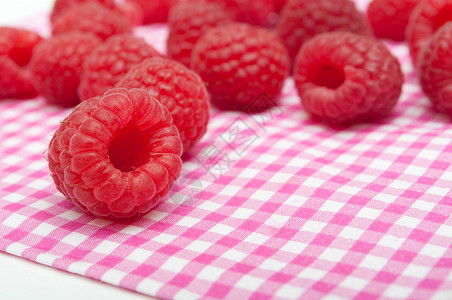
[61,5]
[57,64]
[187,22]
[239,62]
[93,18]
[116,156]
[389,18]
[179,89]
[16,47]
[435,69]
[427,17]
[109,62]
[343,77]
[301,20]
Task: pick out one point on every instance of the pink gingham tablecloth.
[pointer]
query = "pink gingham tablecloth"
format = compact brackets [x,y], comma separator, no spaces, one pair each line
[270,205]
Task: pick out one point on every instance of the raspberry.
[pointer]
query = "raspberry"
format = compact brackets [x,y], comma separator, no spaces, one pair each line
[427,17]
[255,12]
[91,17]
[15,82]
[343,77]
[16,47]
[435,69]
[389,18]
[116,156]
[154,11]
[239,62]
[61,5]
[57,64]
[187,22]
[301,20]
[179,89]
[18,44]
[109,62]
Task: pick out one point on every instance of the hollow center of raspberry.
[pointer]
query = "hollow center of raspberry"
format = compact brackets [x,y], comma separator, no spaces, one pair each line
[129,149]
[326,75]
[443,16]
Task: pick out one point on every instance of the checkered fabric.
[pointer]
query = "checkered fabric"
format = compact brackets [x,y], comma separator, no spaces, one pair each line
[270,205]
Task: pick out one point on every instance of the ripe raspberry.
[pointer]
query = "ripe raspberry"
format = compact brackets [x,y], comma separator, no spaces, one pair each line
[154,11]
[61,5]
[18,44]
[389,18]
[301,20]
[343,77]
[239,62]
[116,156]
[179,89]
[435,69]
[93,18]
[15,82]
[426,18]
[16,47]
[187,22]
[109,62]
[57,64]
[255,12]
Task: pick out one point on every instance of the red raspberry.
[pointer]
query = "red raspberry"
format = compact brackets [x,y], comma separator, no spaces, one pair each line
[57,64]
[15,82]
[93,18]
[343,77]
[239,62]
[435,69]
[154,11]
[255,12]
[389,18]
[18,44]
[179,89]
[427,17]
[61,5]
[301,20]
[109,62]
[187,22]
[116,156]
[16,47]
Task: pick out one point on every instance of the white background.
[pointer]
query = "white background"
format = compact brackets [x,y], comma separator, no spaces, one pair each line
[22,279]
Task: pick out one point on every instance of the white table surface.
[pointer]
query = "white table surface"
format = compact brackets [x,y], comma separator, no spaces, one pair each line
[23,279]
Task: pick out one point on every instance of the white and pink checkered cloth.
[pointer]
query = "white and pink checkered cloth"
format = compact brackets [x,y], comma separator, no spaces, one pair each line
[272,205]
